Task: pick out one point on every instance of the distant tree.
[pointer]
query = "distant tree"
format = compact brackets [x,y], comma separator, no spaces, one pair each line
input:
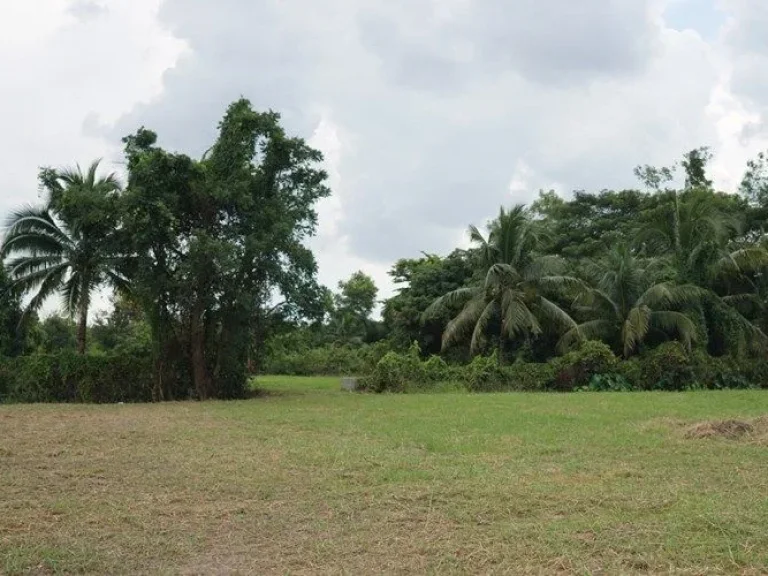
[56,334]
[124,329]
[420,281]
[586,225]
[350,318]
[67,245]
[695,165]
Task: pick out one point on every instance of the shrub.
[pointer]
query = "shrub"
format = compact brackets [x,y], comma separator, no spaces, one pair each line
[397,372]
[484,374]
[720,373]
[68,377]
[631,371]
[667,367]
[608,383]
[576,369]
[326,360]
[530,376]
[437,370]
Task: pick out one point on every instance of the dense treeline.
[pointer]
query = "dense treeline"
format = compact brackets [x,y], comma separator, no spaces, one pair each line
[661,287]
[636,270]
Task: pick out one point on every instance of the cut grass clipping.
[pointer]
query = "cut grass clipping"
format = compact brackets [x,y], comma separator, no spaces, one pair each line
[306,479]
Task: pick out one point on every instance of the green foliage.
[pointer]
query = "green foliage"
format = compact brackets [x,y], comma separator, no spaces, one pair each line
[484,374]
[55,334]
[667,367]
[420,282]
[608,383]
[329,360]
[13,332]
[71,377]
[397,372]
[513,300]
[630,299]
[352,307]
[577,368]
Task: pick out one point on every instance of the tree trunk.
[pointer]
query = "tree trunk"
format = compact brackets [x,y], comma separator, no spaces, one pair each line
[82,326]
[200,375]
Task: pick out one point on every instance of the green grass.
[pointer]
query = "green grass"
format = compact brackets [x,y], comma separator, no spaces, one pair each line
[307,479]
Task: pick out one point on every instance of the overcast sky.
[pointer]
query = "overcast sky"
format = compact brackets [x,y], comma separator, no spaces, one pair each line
[431,113]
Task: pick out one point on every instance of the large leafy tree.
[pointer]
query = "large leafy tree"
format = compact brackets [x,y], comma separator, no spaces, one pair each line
[67,245]
[512,293]
[629,300]
[217,242]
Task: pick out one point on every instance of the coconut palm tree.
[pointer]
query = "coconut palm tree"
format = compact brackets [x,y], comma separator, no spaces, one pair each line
[64,246]
[696,238]
[630,299]
[512,288]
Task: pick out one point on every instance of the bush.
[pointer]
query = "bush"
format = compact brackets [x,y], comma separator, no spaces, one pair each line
[68,377]
[721,373]
[608,383]
[397,372]
[576,369]
[530,376]
[484,374]
[437,370]
[326,360]
[667,367]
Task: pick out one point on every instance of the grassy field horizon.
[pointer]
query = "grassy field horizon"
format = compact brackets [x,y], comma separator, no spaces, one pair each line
[306,479]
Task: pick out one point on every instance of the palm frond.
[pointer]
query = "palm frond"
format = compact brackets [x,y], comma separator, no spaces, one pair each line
[668,321]
[454,298]
[478,334]
[635,328]
[555,314]
[591,330]
[464,322]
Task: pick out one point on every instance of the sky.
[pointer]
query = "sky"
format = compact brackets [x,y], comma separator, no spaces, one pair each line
[431,113]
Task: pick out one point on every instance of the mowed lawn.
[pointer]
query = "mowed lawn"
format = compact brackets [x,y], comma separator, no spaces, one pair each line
[309,480]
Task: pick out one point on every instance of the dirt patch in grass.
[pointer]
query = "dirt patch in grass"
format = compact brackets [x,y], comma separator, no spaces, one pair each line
[753,430]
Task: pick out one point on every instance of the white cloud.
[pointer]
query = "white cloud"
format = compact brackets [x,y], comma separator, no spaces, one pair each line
[427,110]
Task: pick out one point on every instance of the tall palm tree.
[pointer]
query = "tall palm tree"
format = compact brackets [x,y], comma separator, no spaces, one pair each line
[629,299]
[512,289]
[64,246]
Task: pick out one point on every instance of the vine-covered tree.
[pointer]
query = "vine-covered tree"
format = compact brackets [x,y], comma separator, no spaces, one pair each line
[216,241]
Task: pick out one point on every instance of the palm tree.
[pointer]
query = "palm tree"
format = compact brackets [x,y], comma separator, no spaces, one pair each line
[630,299]
[64,246]
[696,239]
[512,288]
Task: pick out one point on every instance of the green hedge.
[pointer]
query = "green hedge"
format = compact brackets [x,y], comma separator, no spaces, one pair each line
[593,367]
[68,377]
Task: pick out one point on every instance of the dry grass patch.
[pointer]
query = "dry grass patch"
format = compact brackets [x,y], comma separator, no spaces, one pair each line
[754,430]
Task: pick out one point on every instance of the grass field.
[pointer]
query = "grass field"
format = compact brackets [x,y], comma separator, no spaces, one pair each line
[308,480]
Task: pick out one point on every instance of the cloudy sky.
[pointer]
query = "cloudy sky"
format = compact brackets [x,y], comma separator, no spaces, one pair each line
[431,113]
